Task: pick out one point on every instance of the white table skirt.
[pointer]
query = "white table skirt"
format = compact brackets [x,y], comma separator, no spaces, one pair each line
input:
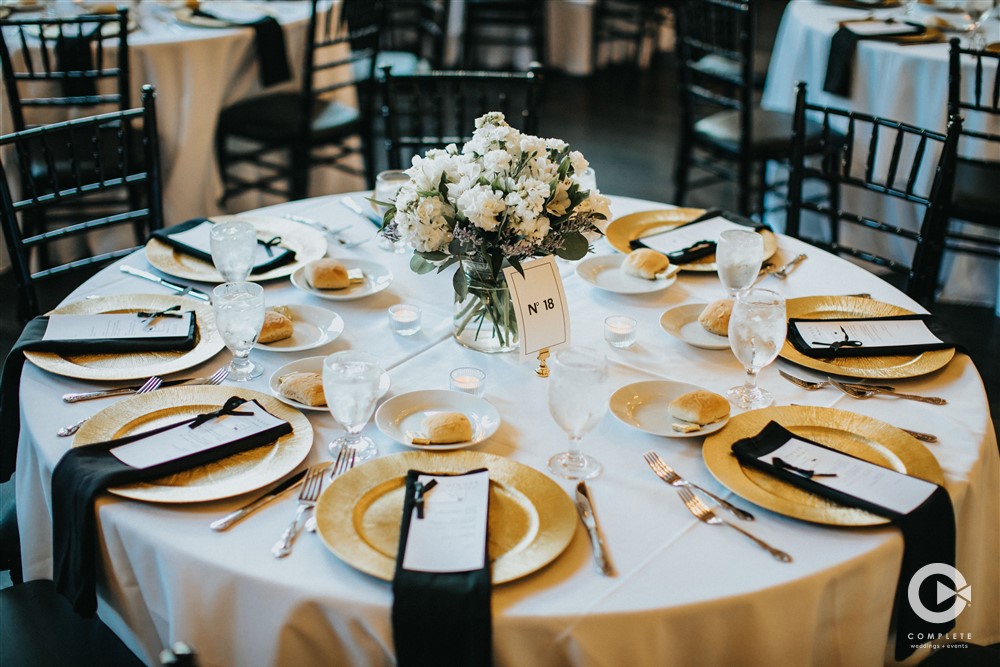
[908,84]
[686,593]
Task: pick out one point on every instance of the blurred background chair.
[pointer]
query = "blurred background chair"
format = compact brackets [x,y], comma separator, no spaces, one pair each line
[414,36]
[494,30]
[898,164]
[626,26]
[271,142]
[439,108]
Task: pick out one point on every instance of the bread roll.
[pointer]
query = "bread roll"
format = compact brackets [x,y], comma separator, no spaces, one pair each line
[699,407]
[327,274]
[303,387]
[645,263]
[443,428]
[276,327]
[715,317]
[284,310]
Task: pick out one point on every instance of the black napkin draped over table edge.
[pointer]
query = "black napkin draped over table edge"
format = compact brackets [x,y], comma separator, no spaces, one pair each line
[439,618]
[842,47]
[83,472]
[928,531]
[31,339]
[282,257]
[702,248]
[935,325]
[269,44]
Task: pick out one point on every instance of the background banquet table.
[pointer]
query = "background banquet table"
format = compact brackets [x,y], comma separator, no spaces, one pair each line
[686,593]
[904,83]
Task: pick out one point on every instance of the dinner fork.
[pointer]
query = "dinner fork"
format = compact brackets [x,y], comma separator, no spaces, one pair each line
[668,475]
[810,385]
[346,458]
[151,384]
[311,486]
[216,378]
[704,513]
[867,391]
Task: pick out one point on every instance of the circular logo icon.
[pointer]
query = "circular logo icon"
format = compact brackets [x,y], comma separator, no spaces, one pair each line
[961,591]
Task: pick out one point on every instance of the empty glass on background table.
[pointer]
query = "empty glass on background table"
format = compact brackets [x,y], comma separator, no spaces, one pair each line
[757,331]
[738,258]
[387,185]
[351,384]
[239,316]
[234,248]
[587,179]
[578,398]
[979,13]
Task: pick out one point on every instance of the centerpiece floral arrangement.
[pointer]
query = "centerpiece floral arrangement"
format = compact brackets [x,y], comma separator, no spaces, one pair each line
[504,198]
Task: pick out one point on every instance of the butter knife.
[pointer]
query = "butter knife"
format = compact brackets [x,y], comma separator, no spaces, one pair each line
[585,509]
[146,275]
[232,519]
[370,216]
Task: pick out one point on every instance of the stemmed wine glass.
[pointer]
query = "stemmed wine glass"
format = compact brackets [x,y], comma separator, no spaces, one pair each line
[387,185]
[738,257]
[978,12]
[351,382]
[757,331]
[239,316]
[234,248]
[577,401]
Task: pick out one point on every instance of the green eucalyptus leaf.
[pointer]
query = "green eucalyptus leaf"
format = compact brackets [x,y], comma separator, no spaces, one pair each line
[574,246]
[433,255]
[461,284]
[420,265]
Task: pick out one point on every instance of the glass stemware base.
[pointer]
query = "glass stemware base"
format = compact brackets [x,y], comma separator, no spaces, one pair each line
[363,446]
[570,465]
[749,398]
[241,372]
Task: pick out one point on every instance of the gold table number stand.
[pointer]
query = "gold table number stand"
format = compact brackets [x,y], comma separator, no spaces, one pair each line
[543,369]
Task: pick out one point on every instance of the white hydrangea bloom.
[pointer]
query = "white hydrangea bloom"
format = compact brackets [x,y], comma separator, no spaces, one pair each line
[578,162]
[483,207]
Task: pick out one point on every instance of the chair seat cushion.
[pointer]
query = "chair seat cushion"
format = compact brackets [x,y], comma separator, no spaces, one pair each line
[275,118]
[772,133]
[403,63]
[728,69]
[975,197]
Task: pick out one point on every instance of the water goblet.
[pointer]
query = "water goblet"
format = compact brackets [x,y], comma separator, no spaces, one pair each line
[234,248]
[239,316]
[577,401]
[387,185]
[757,331]
[351,384]
[738,257]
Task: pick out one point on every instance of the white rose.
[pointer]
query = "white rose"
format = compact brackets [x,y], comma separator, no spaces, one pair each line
[578,162]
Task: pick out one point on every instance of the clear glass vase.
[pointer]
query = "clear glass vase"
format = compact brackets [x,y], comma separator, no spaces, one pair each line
[484,318]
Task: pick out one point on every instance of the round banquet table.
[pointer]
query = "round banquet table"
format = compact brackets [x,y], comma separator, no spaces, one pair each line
[686,593]
[904,83]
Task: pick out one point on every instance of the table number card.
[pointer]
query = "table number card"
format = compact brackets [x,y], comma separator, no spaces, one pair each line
[539,306]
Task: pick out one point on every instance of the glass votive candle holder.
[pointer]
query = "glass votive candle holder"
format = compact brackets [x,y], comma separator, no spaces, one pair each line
[468,380]
[620,331]
[404,319]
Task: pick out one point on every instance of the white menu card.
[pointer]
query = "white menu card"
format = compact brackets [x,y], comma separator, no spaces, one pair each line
[115,325]
[451,536]
[199,237]
[687,235]
[871,333]
[866,28]
[539,305]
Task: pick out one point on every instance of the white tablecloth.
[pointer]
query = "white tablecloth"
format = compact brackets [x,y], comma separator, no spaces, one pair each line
[686,593]
[908,84]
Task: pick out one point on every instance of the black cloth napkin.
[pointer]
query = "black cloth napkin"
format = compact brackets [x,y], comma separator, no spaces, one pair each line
[841,59]
[31,339]
[935,325]
[73,55]
[84,472]
[269,42]
[928,530]
[439,618]
[701,248]
[280,256]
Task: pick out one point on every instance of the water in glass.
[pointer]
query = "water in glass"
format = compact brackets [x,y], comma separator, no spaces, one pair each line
[239,316]
[578,399]
[738,257]
[351,384]
[234,247]
[756,333]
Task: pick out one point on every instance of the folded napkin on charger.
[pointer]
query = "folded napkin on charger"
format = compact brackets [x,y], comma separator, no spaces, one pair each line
[33,338]
[86,471]
[269,42]
[869,336]
[73,56]
[921,509]
[192,238]
[712,223]
[845,43]
[441,588]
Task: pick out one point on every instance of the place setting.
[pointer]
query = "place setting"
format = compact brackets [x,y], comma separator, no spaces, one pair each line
[342,279]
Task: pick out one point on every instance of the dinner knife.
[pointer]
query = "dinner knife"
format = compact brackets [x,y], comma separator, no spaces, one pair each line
[146,275]
[232,519]
[370,216]
[586,511]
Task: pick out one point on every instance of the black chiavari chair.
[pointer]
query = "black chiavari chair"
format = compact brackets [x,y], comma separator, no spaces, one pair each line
[625,25]
[494,26]
[414,35]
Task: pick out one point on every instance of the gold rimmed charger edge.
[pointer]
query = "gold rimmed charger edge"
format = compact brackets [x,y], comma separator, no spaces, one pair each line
[231,476]
[132,365]
[627,228]
[532,520]
[859,435]
[309,244]
[875,367]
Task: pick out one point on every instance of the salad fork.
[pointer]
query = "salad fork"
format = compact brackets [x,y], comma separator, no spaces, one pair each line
[810,385]
[867,391]
[668,475]
[704,513]
[346,458]
[151,384]
[308,495]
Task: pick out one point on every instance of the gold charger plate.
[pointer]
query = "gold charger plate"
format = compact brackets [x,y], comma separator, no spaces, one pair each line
[621,231]
[309,244]
[231,476]
[893,367]
[531,521]
[848,432]
[134,365]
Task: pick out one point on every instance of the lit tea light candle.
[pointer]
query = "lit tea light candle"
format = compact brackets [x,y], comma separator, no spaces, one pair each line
[404,319]
[620,331]
[468,380]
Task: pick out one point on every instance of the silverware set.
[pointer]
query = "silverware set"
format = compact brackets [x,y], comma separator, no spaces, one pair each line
[859,390]
[668,475]
[312,485]
[333,234]
[781,272]
[218,377]
[152,384]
